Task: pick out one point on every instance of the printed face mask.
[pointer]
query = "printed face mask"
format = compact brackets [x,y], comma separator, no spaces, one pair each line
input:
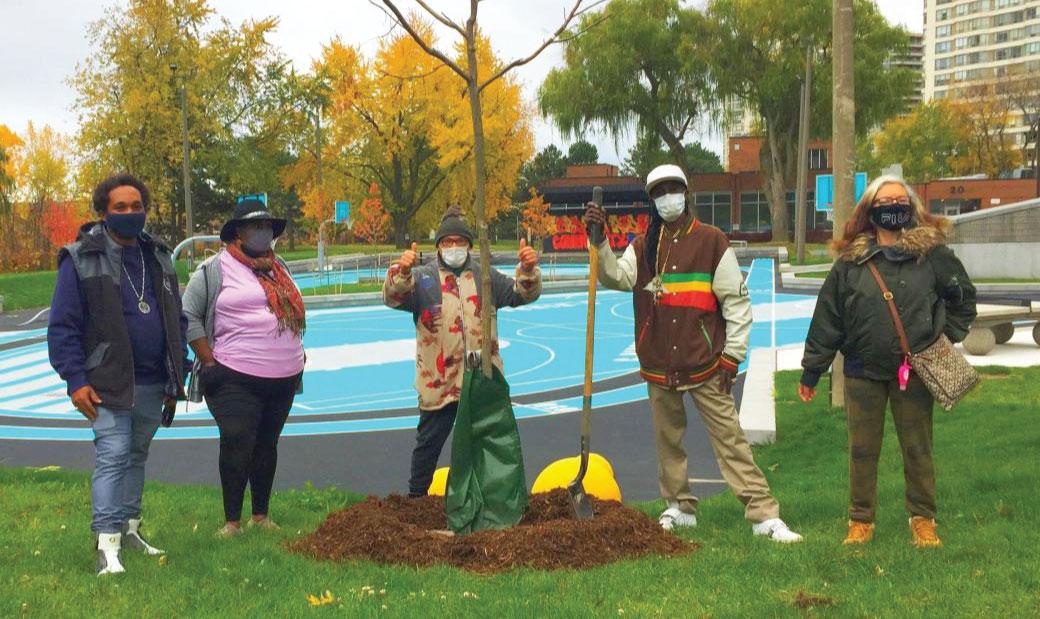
[126,225]
[670,206]
[454,257]
[892,217]
[257,241]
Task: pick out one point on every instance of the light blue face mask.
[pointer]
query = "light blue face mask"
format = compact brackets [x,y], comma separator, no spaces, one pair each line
[670,206]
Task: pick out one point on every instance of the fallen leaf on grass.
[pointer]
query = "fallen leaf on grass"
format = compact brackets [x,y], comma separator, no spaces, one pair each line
[805,600]
[163,560]
[321,600]
[46,469]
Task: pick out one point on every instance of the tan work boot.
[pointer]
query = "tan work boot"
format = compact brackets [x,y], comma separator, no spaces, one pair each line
[922,532]
[859,533]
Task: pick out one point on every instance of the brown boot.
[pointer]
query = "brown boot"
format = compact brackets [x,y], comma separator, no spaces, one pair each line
[859,533]
[922,532]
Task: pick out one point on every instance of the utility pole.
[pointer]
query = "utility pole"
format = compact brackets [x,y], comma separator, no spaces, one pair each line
[189,223]
[842,145]
[803,160]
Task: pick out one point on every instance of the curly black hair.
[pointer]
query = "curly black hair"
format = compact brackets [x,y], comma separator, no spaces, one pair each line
[100,198]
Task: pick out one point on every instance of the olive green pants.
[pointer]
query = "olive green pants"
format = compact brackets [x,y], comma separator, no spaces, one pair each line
[732,451]
[865,402]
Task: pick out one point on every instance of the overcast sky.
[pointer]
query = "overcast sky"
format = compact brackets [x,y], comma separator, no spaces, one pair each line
[45,39]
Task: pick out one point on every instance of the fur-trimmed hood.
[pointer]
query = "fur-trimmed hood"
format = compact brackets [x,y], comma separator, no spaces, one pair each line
[917,242]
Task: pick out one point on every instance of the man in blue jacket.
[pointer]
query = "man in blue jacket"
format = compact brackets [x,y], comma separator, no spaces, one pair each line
[116,337]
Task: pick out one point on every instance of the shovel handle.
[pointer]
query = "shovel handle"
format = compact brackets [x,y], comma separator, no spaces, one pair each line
[590,322]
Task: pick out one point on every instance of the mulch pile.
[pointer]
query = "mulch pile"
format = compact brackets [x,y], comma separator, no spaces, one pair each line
[398,530]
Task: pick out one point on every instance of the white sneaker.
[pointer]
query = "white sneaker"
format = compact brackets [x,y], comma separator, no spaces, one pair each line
[675,517]
[132,538]
[776,530]
[107,561]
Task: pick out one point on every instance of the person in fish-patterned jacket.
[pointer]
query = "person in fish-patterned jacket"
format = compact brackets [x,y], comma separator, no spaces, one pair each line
[444,300]
[692,325]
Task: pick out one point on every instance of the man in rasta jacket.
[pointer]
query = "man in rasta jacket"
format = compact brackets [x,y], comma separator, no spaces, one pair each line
[692,324]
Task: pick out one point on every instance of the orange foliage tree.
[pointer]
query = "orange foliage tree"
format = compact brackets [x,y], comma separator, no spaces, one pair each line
[61,221]
[371,221]
[537,221]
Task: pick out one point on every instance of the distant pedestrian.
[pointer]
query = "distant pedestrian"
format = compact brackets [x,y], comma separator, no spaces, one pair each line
[245,323]
[892,230]
[116,337]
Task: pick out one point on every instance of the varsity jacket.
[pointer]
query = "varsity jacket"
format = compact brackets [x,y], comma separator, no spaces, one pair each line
[698,318]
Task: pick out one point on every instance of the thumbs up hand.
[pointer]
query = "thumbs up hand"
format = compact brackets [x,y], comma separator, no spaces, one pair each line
[408,259]
[528,257]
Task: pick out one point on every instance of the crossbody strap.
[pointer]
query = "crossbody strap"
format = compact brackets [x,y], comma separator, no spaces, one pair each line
[887,294]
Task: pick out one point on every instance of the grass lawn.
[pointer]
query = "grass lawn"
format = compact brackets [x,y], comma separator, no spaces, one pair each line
[308,252]
[27,290]
[986,457]
[815,253]
[816,274]
[344,288]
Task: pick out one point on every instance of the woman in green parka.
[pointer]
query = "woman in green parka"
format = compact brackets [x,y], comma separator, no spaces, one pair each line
[933,294]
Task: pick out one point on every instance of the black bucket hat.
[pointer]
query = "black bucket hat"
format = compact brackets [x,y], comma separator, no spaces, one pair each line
[247,211]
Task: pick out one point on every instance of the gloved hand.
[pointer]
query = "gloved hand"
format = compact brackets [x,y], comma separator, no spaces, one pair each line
[726,378]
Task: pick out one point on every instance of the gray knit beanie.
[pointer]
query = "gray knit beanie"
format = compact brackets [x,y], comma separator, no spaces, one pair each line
[452,223]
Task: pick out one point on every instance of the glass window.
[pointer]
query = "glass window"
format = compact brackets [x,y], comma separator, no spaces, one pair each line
[818,159]
[754,212]
[714,208]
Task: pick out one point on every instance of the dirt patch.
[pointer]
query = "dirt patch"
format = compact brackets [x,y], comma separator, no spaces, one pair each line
[398,530]
[805,601]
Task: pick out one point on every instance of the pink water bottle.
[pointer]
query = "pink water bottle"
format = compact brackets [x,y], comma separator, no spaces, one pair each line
[904,374]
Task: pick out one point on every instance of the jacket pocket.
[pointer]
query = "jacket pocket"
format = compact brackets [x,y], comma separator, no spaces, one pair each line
[704,332]
[96,356]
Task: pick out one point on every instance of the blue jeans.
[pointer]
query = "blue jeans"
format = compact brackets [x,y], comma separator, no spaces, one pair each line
[121,441]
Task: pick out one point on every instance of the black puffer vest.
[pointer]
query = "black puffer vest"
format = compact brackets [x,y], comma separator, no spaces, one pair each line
[106,341]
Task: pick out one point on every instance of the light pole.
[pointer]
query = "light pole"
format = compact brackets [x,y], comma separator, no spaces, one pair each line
[189,223]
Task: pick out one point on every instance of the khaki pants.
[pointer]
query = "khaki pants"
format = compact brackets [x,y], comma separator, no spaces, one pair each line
[731,448]
[865,402]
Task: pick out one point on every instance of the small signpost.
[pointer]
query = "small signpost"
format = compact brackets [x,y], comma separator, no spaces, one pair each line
[825,190]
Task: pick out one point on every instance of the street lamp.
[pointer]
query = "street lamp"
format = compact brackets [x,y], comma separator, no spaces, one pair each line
[186,167]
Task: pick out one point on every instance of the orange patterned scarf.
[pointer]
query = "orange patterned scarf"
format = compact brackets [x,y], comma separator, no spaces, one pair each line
[282,295]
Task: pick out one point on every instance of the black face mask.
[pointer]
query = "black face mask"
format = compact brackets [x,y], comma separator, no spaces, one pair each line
[126,225]
[893,217]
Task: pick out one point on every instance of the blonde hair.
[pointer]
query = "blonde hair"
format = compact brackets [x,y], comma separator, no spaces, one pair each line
[860,222]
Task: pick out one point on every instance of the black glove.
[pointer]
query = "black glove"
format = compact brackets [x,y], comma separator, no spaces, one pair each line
[726,379]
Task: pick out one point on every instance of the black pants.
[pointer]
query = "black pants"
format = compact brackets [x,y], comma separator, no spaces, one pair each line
[434,428]
[250,412]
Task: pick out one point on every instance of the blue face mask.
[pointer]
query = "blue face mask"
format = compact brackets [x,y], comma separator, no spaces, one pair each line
[126,225]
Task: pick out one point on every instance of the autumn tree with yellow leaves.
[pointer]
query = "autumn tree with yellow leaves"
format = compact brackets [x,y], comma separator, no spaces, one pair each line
[401,120]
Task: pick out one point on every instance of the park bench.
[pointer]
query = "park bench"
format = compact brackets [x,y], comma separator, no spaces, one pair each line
[994,325]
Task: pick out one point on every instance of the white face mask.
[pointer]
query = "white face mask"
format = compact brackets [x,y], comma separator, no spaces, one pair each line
[670,206]
[454,257]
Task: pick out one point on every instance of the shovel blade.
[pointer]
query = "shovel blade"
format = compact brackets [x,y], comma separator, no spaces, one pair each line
[580,501]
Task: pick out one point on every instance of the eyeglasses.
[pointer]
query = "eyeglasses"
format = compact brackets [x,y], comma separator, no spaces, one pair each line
[891,202]
[453,241]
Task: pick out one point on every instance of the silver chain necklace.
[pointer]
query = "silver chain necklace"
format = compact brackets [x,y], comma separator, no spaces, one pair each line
[141,305]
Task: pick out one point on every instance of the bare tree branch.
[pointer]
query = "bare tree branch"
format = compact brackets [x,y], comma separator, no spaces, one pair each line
[442,18]
[401,19]
[522,61]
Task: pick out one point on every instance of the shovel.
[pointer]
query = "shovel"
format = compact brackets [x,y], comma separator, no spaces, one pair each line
[580,500]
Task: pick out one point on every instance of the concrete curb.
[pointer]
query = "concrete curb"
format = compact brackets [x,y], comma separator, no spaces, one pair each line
[758,404]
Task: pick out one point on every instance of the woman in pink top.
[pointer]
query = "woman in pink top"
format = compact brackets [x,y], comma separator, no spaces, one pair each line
[245,324]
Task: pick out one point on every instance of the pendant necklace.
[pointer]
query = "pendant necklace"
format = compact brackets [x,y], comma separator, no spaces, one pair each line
[141,304]
[656,286]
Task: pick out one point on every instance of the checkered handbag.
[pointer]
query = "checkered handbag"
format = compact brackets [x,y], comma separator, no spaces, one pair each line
[946,373]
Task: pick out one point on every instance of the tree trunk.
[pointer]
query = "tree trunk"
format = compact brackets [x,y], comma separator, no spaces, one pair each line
[401,234]
[776,187]
[487,308]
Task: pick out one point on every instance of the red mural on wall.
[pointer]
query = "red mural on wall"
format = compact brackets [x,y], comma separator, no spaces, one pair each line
[570,231]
